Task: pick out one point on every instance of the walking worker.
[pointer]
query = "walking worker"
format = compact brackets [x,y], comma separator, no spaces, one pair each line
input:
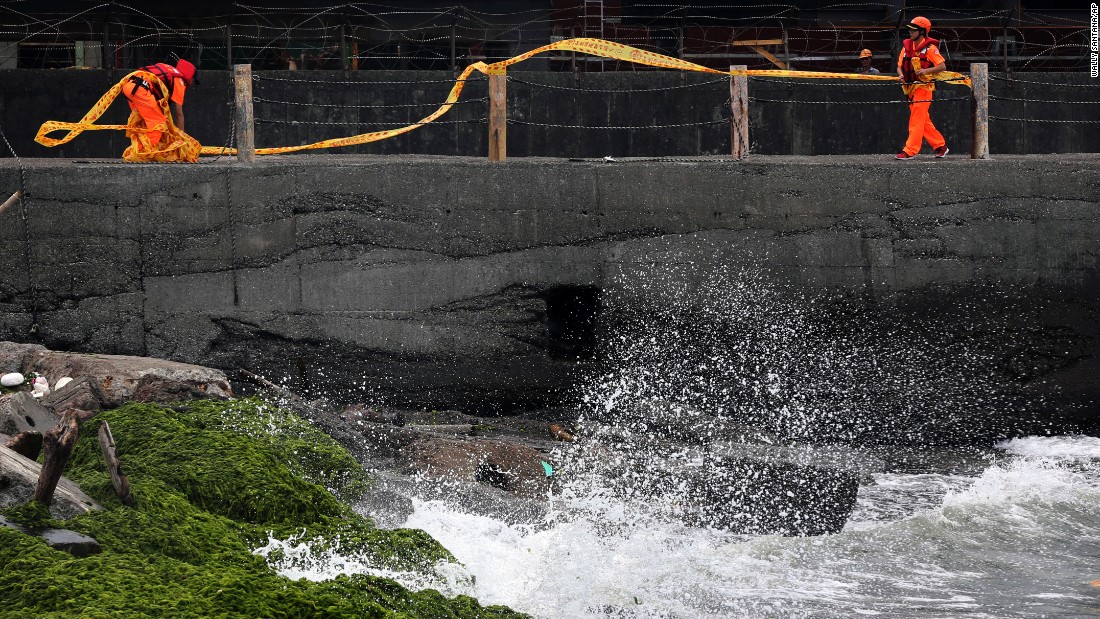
[865,67]
[920,59]
[144,98]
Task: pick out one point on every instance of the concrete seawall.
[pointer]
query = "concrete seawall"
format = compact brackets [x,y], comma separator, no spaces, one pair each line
[449,280]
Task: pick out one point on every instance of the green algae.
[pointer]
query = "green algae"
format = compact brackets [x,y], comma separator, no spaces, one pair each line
[212,481]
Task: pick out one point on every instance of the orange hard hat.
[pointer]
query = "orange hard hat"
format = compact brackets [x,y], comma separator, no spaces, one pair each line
[865,53]
[186,69]
[921,23]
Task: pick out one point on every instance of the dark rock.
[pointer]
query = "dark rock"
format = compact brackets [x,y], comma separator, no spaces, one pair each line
[515,468]
[76,544]
[156,388]
[120,378]
[18,477]
[756,495]
[20,412]
[26,444]
[82,393]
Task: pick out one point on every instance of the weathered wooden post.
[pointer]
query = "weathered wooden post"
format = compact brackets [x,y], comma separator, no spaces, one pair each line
[114,467]
[498,117]
[739,113]
[246,130]
[979,110]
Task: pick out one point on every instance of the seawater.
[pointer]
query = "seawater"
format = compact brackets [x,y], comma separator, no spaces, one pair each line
[1006,530]
[1019,538]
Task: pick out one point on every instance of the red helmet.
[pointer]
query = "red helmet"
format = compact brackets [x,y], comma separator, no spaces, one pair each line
[186,69]
[921,23]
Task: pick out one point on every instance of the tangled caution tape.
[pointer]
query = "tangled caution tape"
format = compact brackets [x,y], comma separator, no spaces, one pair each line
[175,145]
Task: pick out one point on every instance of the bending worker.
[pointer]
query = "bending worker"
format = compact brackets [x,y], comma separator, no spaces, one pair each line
[144,97]
[919,59]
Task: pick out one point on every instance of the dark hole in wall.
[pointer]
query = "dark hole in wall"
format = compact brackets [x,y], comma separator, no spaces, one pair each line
[571,313]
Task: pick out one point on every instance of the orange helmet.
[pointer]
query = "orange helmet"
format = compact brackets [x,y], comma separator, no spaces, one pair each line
[865,53]
[921,23]
[186,69]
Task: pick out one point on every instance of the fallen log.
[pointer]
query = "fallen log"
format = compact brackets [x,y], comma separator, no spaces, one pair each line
[114,467]
[57,446]
[22,474]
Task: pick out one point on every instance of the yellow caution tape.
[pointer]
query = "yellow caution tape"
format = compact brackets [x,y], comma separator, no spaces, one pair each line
[175,145]
[180,146]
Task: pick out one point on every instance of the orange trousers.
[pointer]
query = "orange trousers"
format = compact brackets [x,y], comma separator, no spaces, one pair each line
[143,102]
[920,123]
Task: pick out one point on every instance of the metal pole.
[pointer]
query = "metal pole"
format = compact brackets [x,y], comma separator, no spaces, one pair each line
[498,117]
[343,52]
[739,113]
[246,131]
[979,110]
[229,45]
[454,57]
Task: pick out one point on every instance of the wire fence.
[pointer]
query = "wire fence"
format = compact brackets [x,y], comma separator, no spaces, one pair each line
[427,35]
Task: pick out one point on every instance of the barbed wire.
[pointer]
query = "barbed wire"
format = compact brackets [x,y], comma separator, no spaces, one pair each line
[270,121]
[363,82]
[1000,98]
[1038,83]
[355,106]
[758,100]
[513,121]
[722,80]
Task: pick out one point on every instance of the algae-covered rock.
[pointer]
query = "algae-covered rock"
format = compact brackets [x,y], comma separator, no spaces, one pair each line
[213,481]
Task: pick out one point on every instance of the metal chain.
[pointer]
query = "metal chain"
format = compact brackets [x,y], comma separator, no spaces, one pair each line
[23,201]
[756,100]
[231,137]
[698,124]
[356,124]
[396,105]
[1043,100]
[556,87]
[1012,79]
[1045,120]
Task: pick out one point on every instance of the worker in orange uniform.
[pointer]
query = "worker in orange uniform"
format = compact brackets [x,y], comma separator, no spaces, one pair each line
[919,59]
[144,96]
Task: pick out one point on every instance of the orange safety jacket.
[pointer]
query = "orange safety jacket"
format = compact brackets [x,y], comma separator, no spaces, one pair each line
[167,74]
[915,56]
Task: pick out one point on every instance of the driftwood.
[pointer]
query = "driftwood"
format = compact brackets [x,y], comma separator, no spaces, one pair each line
[118,480]
[57,446]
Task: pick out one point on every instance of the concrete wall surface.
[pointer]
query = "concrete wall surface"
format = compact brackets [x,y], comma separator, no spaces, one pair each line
[441,280]
[561,114]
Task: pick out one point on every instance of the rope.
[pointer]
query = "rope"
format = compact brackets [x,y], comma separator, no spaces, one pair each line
[26,234]
[1045,120]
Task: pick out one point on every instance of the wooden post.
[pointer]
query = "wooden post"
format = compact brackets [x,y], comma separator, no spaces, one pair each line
[979,110]
[344,52]
[786,49]
[57,446]
[246,131]
[454,55]
[498,117]
[229,45]
[114,467]
[739,113]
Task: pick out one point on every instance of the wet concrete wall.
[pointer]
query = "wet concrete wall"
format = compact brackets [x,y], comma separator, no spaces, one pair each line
[454,282]
[546,109]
